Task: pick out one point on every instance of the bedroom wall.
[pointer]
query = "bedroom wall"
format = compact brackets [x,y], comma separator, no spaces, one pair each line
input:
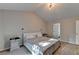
[1,32]
[68,30]
[49,29]
[13,21]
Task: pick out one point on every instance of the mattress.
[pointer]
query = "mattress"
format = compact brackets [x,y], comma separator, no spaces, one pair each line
[43,43]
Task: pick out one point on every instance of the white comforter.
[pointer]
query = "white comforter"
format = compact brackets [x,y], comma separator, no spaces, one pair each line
[39,45]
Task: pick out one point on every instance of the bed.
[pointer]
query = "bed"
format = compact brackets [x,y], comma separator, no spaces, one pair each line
[39,45]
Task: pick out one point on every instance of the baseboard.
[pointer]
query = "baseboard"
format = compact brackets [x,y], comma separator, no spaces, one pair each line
[4,50]
[69,42]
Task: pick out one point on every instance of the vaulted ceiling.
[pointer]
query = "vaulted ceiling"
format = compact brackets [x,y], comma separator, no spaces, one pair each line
[60,11]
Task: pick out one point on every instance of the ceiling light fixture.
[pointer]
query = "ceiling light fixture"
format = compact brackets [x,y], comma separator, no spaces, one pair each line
[51,5]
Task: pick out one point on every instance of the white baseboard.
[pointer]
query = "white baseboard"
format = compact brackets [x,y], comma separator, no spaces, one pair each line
[68,42]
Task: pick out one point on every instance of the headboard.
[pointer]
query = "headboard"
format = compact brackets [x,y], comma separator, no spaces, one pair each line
[32,35]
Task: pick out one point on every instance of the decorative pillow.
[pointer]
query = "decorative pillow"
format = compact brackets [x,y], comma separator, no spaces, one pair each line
[29,35]
[39,34]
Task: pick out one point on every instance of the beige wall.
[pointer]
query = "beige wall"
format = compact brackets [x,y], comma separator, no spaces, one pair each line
[68,30]
[13,21]
[49,29]
[1,32]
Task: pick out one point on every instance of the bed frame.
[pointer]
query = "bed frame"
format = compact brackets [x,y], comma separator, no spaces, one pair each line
[51,50]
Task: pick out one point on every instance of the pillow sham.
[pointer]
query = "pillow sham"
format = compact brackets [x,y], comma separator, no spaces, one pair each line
[29,35]
[39,34]
[32,35]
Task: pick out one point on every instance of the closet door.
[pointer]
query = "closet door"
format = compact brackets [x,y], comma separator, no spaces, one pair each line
[77,32]
[56,30]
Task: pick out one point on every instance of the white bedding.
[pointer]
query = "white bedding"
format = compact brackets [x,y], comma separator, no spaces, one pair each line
[41,43]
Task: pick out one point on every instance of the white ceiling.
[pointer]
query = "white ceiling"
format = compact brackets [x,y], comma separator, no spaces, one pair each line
[62,11]
[18,6]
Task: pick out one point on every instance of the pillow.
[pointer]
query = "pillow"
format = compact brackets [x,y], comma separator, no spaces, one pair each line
[32,35]
[29,35]
[39,34]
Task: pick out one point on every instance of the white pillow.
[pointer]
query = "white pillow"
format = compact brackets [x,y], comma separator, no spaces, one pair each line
[32,35]
[39,34]
[29,35]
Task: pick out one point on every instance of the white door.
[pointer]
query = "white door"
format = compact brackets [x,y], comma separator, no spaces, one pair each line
[77,32]
[56,30]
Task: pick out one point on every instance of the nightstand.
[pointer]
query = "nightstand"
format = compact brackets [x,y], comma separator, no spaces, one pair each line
[14,43]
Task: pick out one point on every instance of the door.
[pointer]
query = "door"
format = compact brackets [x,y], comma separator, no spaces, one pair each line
[56,30]
[77,32]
